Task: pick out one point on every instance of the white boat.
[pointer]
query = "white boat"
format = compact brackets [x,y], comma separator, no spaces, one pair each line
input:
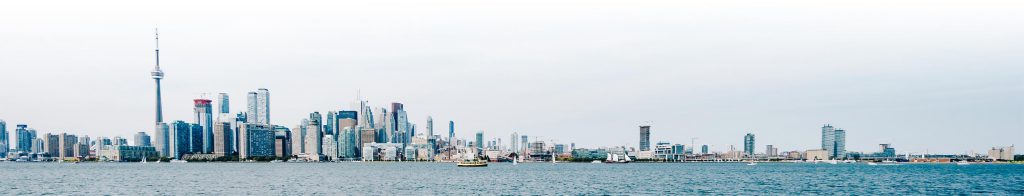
[849,161]
[614,158]
[595,161]
[833,161]
[515,162]
[752,163]
[179,161]
[963,163]
[872,163]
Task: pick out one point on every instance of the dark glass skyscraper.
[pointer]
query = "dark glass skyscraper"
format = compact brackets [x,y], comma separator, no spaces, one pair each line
[25,137]
[451,132]
[645,137]
[748,144]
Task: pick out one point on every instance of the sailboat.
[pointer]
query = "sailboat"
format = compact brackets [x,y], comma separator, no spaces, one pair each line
[614,158]
[515,161]
[553,158]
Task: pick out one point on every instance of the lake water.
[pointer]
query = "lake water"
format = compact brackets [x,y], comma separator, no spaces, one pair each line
[506,179]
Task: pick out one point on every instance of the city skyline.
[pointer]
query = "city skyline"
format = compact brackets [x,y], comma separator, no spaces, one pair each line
[964,105]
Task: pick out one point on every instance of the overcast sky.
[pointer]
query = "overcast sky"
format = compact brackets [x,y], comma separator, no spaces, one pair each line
[937,76]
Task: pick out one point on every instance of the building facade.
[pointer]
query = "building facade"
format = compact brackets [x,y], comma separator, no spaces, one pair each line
[748,145]
[645,138]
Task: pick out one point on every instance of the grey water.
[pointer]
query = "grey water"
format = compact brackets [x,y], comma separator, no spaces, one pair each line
[507,179]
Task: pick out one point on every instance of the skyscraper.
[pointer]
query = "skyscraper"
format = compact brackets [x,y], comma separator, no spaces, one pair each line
[704,149]
[833,141]
[223,138]
[330,126]
[224,104]
[748,144]
[251,108]
[451,132]
[142,139]
[180,139]
[645,137]
[4,141]
[314,133]
[525,141]
[25,137]
[479,141]
[204,117]
[263,106]
[430,127]
[840,150]
[514,147]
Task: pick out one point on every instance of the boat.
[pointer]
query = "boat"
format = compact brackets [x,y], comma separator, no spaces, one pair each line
[595,161]
[276,161]
[614,158]
[472,163]
[515,162]
[179,161]
[963,162]
[872,163]
[752,163]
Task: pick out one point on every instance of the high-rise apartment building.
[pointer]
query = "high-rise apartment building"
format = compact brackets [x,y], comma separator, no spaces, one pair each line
[645,137]
[255,140]
[25,136]
[223,138]
[263,106]
[299,138]
[251,107]
[430,127]
[748,144]
[514,142]
[314,133]
[833,141]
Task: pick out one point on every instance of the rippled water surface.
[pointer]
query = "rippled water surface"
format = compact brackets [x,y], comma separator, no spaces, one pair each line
[504,178]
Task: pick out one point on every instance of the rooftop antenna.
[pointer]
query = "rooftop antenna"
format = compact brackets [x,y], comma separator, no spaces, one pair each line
[156,32]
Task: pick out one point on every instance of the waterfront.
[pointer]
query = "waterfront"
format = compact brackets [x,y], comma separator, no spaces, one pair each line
[391,178]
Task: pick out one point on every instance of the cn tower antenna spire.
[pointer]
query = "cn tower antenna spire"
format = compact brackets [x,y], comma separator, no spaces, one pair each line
[156,32]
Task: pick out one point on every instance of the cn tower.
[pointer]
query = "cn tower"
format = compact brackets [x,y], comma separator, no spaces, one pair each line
[157,75]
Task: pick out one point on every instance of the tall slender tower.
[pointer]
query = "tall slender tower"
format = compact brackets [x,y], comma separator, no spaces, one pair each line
[157,75]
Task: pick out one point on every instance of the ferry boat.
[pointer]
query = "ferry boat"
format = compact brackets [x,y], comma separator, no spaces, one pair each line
[472,163]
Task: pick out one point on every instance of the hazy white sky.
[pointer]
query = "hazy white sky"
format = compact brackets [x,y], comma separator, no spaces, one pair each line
[941,76]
